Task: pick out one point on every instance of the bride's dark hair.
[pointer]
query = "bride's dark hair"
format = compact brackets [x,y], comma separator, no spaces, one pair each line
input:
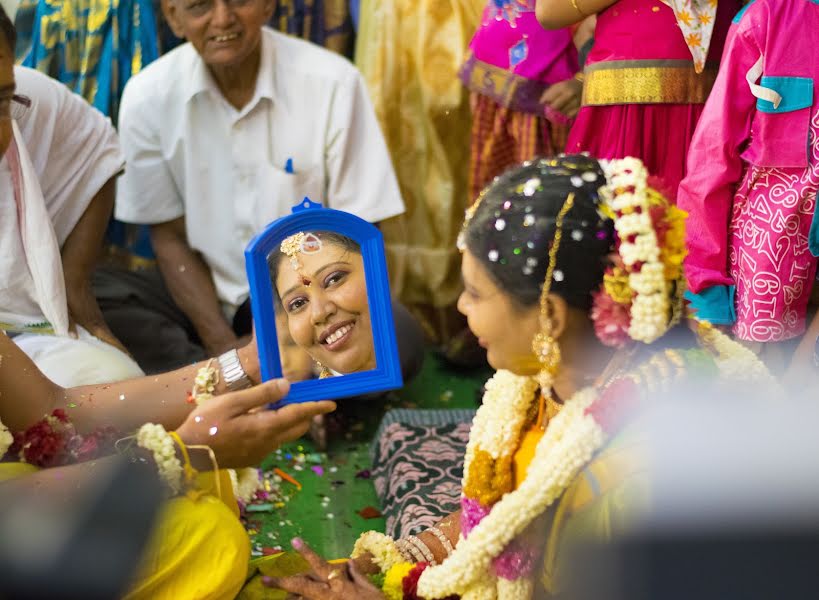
[514,227]
[7,28]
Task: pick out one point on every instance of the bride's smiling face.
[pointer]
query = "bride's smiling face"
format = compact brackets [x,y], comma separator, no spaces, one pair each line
[325,301]
[502,326]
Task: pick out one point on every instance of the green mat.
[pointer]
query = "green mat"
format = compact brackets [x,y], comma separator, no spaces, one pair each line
[337,500]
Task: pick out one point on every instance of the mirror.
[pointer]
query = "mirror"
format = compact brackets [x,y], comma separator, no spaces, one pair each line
[321,305]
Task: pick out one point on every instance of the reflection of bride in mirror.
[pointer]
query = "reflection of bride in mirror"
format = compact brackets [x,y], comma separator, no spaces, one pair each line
[321,290]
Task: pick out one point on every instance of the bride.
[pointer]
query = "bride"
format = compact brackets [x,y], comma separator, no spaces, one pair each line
[572,283]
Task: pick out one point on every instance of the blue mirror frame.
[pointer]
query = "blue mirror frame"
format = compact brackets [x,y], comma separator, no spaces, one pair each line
[310,216]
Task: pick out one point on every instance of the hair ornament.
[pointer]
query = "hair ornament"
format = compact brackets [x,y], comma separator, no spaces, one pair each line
[641,297]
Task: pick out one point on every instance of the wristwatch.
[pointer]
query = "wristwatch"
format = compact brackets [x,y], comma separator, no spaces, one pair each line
[233,374]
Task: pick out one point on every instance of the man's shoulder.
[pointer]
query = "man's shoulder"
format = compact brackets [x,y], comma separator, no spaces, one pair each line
[30,82]
[166,77]
[300,58]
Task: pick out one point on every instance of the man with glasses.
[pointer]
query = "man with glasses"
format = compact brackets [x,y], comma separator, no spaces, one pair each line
[59,159]
[222,136]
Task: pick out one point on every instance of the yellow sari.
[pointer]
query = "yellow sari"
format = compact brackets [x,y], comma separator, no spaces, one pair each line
[198,549]
[409,54]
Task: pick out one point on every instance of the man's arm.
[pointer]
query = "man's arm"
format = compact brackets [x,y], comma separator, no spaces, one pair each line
[190,283]
[79,255]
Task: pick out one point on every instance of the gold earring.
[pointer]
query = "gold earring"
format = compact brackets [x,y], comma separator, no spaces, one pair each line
[324,372]
[544,345]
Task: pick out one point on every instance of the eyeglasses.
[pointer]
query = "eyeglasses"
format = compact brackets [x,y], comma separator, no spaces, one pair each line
[200,8]
[14,106]
[19,105]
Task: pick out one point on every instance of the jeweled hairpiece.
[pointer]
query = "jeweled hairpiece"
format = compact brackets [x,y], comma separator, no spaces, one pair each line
[292,247]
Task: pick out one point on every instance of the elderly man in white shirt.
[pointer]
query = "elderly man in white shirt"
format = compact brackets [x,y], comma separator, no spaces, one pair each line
[225,134]
[58,161]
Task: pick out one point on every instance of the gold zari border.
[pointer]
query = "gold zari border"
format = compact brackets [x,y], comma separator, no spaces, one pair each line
[647,82]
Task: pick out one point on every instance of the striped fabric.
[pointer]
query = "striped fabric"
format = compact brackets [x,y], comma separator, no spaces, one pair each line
[503,138]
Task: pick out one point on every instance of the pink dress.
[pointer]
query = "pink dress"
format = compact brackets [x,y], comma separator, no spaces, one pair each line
[512,61]
[753,177]
[642,96]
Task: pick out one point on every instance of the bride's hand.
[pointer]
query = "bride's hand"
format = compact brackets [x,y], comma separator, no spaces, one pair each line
[326,582]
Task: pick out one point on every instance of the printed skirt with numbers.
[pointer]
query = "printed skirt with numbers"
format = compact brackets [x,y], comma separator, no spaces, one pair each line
[770,261]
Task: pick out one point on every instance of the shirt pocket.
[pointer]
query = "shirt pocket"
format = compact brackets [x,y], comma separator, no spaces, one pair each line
[280,190]
[780,134]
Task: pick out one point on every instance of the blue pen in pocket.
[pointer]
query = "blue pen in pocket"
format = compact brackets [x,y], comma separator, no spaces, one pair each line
[288,166]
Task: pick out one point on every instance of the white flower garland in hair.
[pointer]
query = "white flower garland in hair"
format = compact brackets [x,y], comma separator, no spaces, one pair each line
[628,192]
[160,443]
[6,439]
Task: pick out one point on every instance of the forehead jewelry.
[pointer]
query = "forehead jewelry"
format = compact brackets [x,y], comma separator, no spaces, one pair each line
[292,247]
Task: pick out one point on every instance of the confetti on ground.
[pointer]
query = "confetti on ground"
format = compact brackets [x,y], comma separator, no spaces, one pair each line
[287,477]
[370,512]
[266,507]
[318,470]
[363,474]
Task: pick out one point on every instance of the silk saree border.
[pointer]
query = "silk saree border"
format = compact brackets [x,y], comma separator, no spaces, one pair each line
[504,87]
[647,82]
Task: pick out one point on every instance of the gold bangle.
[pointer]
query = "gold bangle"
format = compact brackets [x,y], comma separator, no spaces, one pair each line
[580,76]
[577,8]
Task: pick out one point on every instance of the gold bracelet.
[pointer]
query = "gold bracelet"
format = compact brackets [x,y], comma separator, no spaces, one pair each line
[577,8]
[580,76]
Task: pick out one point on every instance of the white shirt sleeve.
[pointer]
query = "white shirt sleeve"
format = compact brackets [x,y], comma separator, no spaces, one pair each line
[361,179]
[146,192]
[73,147]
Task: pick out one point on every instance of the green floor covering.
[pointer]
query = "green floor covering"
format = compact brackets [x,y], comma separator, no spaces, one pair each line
[336,485]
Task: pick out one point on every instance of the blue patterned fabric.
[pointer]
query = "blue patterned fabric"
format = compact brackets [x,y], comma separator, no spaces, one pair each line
[93,47]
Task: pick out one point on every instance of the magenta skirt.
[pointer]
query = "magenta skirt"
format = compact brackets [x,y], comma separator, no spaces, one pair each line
[658,134]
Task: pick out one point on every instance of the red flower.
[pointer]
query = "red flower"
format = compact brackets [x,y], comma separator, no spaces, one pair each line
[659,223]
[89,448]
[60,415]
[611,320]
[615,405]
[42,446]
[410,583]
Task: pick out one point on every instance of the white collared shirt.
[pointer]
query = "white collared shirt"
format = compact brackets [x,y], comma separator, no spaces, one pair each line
[189,152]
[74,151]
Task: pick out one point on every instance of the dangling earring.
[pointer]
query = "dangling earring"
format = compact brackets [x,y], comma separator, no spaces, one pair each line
[544,345]
[324,372]
[547,350]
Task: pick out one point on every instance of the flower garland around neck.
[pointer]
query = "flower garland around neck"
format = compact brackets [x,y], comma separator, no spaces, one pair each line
[247,482]
[494,558]
[641,296]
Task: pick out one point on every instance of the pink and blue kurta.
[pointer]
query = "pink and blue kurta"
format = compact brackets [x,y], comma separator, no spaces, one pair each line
[753,176]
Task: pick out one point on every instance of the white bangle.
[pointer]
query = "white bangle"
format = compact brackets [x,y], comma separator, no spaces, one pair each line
[429,557]
[448,548]
[160,443]
[410,553]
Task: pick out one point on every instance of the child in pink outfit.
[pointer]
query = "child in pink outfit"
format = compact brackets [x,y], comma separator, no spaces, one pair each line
[753,173]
